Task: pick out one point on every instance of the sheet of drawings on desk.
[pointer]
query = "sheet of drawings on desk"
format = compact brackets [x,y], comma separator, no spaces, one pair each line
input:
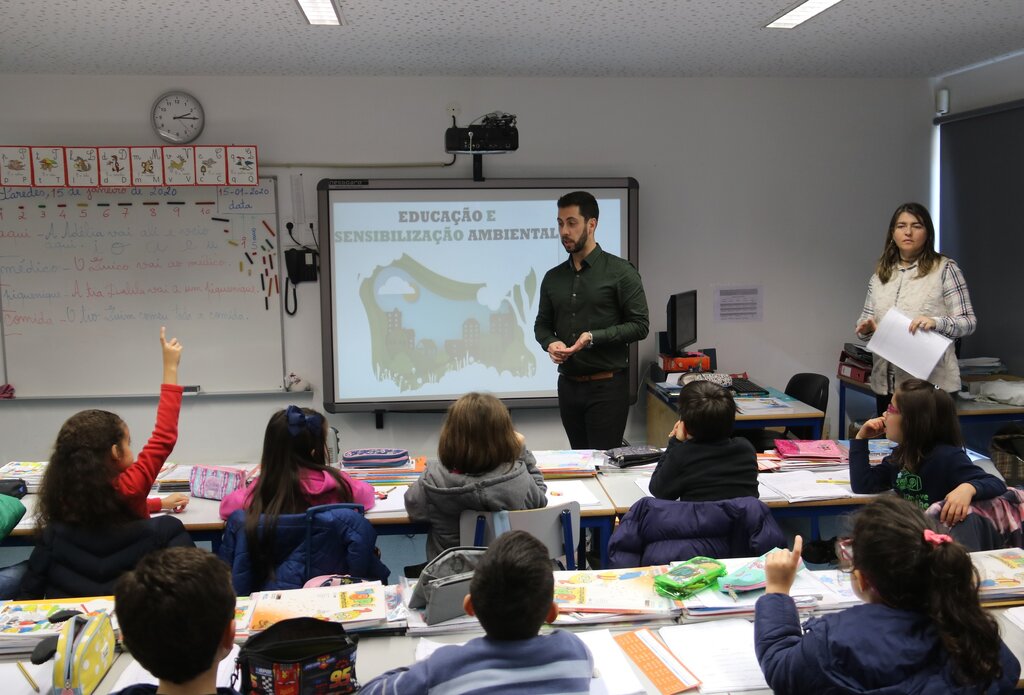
[761,406]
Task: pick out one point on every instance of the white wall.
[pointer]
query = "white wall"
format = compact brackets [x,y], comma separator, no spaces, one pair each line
[785,183]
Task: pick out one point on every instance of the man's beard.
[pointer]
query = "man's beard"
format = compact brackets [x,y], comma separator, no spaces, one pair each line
[581,243]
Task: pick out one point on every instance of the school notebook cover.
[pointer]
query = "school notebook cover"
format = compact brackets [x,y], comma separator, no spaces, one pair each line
[817,449]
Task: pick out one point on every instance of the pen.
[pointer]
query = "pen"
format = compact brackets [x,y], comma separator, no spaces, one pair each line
[29,678]
[383,494]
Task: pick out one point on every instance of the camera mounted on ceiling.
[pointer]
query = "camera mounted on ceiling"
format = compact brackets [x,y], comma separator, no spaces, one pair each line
[496,133]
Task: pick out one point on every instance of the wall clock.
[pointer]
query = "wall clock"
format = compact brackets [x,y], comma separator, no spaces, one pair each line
[178,117]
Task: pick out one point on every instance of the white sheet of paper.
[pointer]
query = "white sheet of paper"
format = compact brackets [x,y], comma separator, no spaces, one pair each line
[570,490]
[135,673]
[720,653]
[395,500]
[644,484]
[611,662]
[917,353]
[15,682]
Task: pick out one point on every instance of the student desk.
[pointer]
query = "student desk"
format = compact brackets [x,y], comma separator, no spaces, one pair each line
[202,520]
[622,489]
[377,654]
[967,411]
[662,415]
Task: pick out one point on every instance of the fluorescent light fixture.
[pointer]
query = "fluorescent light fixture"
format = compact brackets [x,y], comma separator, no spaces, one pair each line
[801,13]
[321,12]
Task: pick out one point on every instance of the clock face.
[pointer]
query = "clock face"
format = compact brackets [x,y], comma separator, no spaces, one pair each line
[178,117]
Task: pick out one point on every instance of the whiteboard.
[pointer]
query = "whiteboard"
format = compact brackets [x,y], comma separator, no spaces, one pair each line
[88,277]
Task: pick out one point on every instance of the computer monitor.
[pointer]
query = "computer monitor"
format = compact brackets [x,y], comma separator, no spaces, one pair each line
[682,321]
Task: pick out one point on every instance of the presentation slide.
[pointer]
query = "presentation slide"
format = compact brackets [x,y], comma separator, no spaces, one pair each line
[433,293]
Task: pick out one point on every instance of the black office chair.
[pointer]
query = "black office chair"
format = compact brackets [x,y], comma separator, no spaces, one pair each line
[806,387]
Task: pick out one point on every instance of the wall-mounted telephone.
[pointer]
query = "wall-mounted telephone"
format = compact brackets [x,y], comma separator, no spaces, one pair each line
[302,265]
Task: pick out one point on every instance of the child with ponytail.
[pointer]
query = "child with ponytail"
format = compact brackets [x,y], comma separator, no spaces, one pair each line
[921,628]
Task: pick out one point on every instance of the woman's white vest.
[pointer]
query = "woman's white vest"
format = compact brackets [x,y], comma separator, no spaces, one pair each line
[913,296]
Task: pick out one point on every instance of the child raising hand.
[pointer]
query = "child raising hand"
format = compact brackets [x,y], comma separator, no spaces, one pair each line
[920,629]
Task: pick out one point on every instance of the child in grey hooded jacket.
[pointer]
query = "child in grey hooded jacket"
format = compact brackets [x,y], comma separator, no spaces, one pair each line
[483,465]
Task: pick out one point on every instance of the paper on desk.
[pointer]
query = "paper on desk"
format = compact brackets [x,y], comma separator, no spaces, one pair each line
[644,484]
[917,353]
[611,663]
[395,500]
[136,673]
[720,653]
[570,491]
[14,680]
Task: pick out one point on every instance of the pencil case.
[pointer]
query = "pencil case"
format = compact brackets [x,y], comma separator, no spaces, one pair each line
[375,458]
[216,482]
[85,652]
[687,578]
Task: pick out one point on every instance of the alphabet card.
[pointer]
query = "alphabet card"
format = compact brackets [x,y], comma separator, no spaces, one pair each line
[211,166]
[147,166]
[15,167]
[179,166]
[242,167]
[48,166]
[82,166]
[114,166]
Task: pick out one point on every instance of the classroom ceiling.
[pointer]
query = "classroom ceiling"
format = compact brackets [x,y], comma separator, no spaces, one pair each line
[595,38]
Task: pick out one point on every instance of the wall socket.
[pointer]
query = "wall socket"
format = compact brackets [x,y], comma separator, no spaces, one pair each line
[453,109]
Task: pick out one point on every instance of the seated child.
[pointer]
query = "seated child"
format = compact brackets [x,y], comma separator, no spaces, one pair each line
[920,629]
[484,466]
[176,611]
[703,462]
[92,511]
[266,552]
[511,594]
[294,470]
[929,464]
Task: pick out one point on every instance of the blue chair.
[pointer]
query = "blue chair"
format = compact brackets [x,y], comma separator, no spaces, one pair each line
[326,539]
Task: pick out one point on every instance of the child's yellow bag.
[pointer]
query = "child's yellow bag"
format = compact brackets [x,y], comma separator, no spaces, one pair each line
[85,651]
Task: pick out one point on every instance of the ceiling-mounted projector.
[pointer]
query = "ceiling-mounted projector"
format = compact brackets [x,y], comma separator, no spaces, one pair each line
[495,133]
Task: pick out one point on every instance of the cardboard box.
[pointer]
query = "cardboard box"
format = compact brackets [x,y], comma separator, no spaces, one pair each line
[694,362]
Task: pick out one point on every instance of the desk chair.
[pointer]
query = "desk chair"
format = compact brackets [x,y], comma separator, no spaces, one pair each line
[556,526]
[806,387]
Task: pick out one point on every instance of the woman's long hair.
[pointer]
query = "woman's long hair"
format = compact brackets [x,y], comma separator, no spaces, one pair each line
[78,486]
[909,572]
[294,440]
[928,418]
[477,435]
[890,258]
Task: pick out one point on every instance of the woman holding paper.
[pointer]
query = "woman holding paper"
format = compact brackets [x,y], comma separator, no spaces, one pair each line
[914,278]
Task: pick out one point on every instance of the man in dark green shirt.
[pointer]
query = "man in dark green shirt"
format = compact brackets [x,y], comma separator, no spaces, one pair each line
[591,308]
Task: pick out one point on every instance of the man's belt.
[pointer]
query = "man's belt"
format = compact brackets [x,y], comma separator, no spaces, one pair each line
[599,376]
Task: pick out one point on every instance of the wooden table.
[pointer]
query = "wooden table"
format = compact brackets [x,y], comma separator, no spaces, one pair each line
[662,415]
[967,411]
[202,520]
[623,491]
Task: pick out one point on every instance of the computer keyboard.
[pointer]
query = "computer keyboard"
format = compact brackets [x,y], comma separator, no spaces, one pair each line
[746,387]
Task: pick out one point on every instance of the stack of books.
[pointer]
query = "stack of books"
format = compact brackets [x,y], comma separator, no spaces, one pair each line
[359,607]
[569,463]
[1001,574]
[405,474]
[23,624]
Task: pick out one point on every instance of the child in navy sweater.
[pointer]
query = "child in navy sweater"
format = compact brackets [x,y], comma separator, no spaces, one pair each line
[512,594]
[921,628]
